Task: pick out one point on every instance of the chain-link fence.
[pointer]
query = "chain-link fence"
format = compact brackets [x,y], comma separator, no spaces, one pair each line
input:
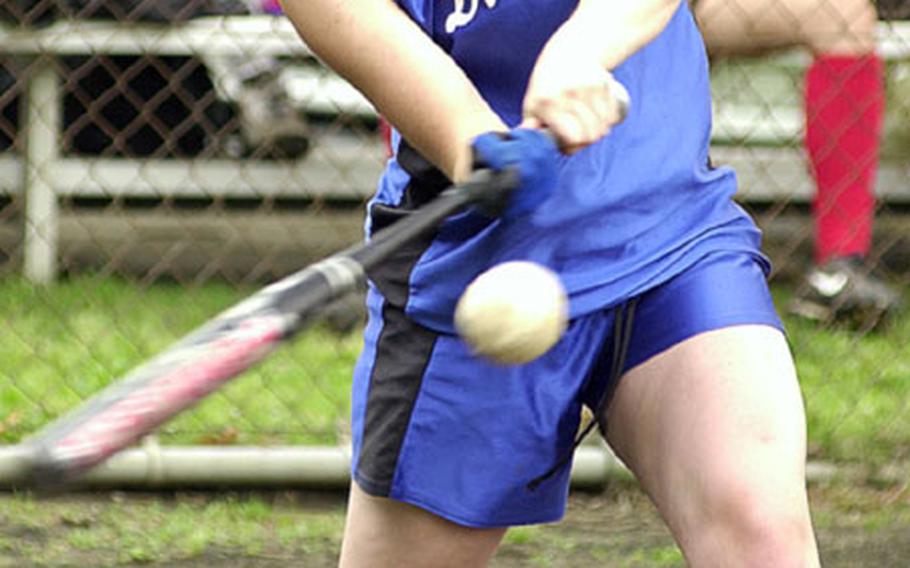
[160,160]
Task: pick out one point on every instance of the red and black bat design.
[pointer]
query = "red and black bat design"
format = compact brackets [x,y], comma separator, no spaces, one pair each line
[230,343]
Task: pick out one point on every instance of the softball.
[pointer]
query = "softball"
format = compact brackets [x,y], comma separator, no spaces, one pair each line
[513,313]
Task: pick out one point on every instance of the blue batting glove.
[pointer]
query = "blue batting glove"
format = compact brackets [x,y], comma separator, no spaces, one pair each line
[532,154]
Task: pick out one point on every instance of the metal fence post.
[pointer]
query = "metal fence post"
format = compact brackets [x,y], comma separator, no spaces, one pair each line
[43,122]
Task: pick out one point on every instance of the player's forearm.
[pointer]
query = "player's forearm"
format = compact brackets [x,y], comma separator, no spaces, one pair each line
[615,29]
[410,80]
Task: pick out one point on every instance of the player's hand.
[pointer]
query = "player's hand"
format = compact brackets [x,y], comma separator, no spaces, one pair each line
[532,154]
[570,94]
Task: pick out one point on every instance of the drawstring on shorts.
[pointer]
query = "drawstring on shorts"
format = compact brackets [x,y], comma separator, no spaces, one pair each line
[622,335]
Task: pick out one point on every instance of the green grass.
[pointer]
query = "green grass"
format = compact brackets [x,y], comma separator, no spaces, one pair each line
[856,388]
[59,344]
[83,530]
[660,556]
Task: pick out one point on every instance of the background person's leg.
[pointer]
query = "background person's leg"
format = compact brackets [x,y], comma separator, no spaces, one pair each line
[844,106]
[714,429]
[380,533]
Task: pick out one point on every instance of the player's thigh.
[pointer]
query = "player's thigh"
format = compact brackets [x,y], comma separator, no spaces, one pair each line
[381,532]
[734,27]
[715,418]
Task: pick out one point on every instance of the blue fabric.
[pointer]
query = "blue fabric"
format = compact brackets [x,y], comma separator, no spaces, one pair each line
[532,154]
[479,433]
[629,212]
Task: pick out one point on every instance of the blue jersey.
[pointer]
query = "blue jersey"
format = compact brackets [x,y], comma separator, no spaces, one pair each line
[630,212]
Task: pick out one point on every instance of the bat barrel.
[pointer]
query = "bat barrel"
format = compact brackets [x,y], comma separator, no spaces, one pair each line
[168,384]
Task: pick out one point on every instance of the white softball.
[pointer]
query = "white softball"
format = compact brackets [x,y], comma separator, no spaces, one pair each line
[513,312]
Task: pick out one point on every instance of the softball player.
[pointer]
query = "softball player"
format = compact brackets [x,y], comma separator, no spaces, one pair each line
[673,342]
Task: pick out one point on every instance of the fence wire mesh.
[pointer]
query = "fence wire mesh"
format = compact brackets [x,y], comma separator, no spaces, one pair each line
[161,160]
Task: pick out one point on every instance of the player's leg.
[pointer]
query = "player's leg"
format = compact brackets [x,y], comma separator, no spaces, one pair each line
[380,532]
[710,418]
[714,430]
[733,27]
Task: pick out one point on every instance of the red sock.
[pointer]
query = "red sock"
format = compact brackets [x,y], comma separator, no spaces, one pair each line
[845,105]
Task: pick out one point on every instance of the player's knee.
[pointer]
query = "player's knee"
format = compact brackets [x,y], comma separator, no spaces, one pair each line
[762,522]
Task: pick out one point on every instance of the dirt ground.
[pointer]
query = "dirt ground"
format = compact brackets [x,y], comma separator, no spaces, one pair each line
[616,527]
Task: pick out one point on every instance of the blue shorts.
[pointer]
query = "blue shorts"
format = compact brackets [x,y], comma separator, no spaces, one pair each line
[443,430]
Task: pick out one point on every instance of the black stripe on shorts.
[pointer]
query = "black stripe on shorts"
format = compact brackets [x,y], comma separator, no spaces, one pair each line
[402,354]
